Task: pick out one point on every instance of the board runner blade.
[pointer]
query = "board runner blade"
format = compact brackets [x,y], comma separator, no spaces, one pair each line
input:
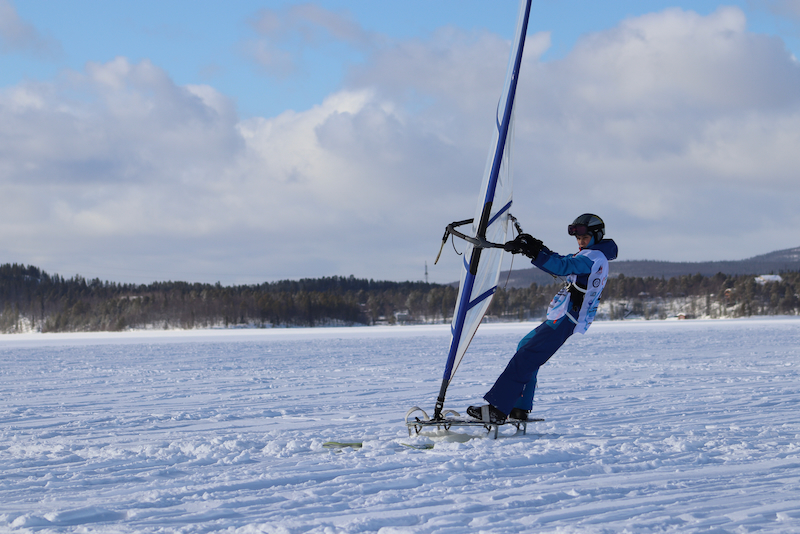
[447,423]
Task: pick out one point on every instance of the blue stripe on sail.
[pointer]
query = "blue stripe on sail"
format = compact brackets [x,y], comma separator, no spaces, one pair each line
[486,294]
[499,213]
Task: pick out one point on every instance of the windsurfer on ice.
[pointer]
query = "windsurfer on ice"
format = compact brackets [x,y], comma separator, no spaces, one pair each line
[571,310]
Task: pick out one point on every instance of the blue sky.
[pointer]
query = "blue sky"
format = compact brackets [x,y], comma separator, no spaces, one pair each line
[253,141]
[206,42]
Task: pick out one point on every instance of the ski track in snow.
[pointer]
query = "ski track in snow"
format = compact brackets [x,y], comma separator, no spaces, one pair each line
[675,426]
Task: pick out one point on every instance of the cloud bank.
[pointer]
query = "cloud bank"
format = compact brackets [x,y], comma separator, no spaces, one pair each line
[680,130]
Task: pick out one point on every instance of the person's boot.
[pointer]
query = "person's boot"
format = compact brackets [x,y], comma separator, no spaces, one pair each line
[519,413]
[487,414]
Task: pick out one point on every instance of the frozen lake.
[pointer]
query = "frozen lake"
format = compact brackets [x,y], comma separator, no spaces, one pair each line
[677,426]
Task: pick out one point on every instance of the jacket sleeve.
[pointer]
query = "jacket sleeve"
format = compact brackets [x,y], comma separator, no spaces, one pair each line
[553,263]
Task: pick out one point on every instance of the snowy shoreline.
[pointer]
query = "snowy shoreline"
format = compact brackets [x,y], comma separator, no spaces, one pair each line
[321,332]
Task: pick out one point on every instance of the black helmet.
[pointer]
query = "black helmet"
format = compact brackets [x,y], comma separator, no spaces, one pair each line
[588,224]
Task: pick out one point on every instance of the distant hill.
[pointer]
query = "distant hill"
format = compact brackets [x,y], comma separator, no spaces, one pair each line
[771,263]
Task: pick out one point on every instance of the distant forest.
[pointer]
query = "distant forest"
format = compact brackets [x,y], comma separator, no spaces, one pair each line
[32,300]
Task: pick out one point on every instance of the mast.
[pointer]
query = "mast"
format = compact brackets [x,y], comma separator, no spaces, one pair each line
[472,297]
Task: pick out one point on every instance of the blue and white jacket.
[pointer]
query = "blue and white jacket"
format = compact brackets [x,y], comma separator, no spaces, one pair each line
[586,272]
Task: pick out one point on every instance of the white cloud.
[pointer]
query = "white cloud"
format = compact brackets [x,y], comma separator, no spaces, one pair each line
[667,124]
[286,34]
[116,152]
[783,8]
[122,159]
[16,35]
[678,61]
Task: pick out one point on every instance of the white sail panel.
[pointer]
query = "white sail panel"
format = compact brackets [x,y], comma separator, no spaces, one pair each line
[488,273]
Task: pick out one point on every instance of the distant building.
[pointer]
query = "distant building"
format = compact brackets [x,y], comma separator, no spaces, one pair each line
[768,278]
[403,317]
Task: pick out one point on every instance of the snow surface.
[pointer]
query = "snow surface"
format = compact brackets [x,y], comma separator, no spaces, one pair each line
[670,426]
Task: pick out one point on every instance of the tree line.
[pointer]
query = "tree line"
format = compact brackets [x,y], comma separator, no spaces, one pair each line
[715,296]
[33,300]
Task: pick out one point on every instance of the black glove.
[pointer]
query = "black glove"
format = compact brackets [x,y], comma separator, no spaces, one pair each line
[525,244]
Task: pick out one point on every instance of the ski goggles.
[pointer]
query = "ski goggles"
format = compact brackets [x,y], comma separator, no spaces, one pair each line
[578,229]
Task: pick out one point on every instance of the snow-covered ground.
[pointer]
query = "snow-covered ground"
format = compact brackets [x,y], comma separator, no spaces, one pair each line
[671,426]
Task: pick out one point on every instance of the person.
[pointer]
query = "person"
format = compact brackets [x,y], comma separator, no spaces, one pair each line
[572,310]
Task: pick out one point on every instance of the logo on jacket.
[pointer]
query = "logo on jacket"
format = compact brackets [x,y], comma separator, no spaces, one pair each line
[596,282]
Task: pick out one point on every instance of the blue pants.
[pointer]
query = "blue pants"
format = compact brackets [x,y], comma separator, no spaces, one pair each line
[515,386]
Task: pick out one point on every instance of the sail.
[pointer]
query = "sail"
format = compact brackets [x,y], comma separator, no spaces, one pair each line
[481,265]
